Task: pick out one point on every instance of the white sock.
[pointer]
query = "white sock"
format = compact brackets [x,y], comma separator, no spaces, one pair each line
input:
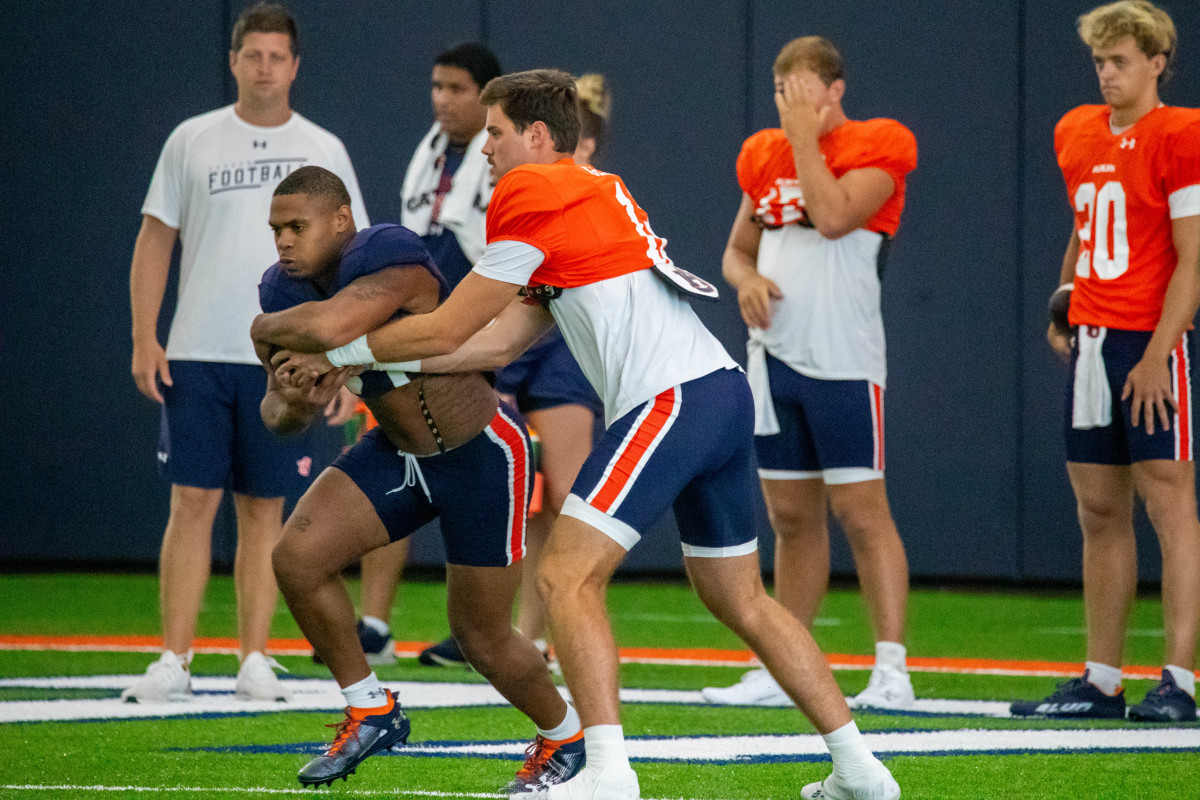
[1105,678]
[847,747]
[367,693]
[605,746]
[565,729]
[891,654]
[377,625]
[1184,678]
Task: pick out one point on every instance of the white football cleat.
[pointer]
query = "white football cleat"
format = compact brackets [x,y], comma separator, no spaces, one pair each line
[872,783]
[756,688]
[597,783]
[165,681]
[889,688]
[256,680]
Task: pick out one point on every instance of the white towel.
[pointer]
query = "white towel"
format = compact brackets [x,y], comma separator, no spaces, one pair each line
[1092,404]
[765,421]
[464,209]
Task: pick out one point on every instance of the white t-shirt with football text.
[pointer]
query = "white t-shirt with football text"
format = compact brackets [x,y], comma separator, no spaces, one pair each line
[213,182]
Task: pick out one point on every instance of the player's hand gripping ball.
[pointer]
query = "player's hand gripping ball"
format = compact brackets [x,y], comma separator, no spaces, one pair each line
[1060,304]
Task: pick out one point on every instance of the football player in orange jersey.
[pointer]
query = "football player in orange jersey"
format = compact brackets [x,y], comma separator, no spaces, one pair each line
[822,196]
[1132,169]
[678,412]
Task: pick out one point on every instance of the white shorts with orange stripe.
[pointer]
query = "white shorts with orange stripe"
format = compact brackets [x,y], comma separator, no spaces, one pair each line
[690,448]
[830,430]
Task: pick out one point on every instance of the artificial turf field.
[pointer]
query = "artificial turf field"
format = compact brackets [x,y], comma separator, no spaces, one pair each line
[470,751]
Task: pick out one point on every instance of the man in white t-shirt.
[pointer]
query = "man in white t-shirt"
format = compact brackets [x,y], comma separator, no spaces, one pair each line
[212,190]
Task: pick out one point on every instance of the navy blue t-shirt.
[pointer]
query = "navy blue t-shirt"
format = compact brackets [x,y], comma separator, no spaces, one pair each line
[371,250]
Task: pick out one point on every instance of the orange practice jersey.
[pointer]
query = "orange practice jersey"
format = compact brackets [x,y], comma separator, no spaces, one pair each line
[1125,189]
[767,172]
[567,211]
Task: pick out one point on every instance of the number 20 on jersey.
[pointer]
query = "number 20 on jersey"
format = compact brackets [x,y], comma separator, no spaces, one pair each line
[1104,239]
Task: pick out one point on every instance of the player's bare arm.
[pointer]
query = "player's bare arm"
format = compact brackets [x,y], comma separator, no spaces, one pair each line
[474,303]
[1149,382]
[147,283]
[363,305]
[739,266]
[1059,341]
[497,344]
[835,206]
[494,346]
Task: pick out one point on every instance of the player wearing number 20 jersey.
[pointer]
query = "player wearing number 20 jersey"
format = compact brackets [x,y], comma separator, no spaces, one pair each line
[1126,188]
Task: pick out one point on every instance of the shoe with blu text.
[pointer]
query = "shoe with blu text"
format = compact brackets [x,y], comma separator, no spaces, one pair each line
[1077,698]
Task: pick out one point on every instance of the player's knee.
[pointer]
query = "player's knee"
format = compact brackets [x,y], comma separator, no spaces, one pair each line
[193,504]
[555,584]
[796,523]
[1102,513]
[293,566]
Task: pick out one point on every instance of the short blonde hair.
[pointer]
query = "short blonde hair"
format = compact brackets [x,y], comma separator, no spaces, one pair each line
[1149,25]
[814,53]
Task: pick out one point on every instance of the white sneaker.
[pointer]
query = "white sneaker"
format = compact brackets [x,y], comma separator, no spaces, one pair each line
[166,680]
[597,783]
[873,783]
[756,688]
[888,688]
[256,680]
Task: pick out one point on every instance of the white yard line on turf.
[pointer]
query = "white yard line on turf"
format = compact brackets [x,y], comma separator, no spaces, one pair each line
[216,696]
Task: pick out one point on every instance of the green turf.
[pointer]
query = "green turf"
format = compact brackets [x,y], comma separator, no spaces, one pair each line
[165,753]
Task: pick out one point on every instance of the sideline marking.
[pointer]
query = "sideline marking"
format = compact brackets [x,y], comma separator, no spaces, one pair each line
[630,655]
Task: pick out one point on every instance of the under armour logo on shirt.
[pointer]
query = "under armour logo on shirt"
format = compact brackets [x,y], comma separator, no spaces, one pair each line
[1128,143]
[258,144]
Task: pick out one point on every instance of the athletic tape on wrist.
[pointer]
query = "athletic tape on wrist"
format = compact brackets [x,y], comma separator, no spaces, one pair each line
[397,366]
[353,354]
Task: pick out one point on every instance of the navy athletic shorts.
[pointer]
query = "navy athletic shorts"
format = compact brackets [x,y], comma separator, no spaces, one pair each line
[1121,442]
[828,429]
[689,448]
[213,436]
[479,490]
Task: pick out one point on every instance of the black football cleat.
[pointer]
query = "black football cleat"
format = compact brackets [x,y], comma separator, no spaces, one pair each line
[1165,703]
[1077,698]
[549,763]
[358,738]
[445,653]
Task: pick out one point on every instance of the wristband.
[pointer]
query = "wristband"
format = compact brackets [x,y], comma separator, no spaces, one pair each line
[353,354]
[397,366]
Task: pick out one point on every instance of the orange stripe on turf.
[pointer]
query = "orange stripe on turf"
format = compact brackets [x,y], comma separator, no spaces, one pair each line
[968,666]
